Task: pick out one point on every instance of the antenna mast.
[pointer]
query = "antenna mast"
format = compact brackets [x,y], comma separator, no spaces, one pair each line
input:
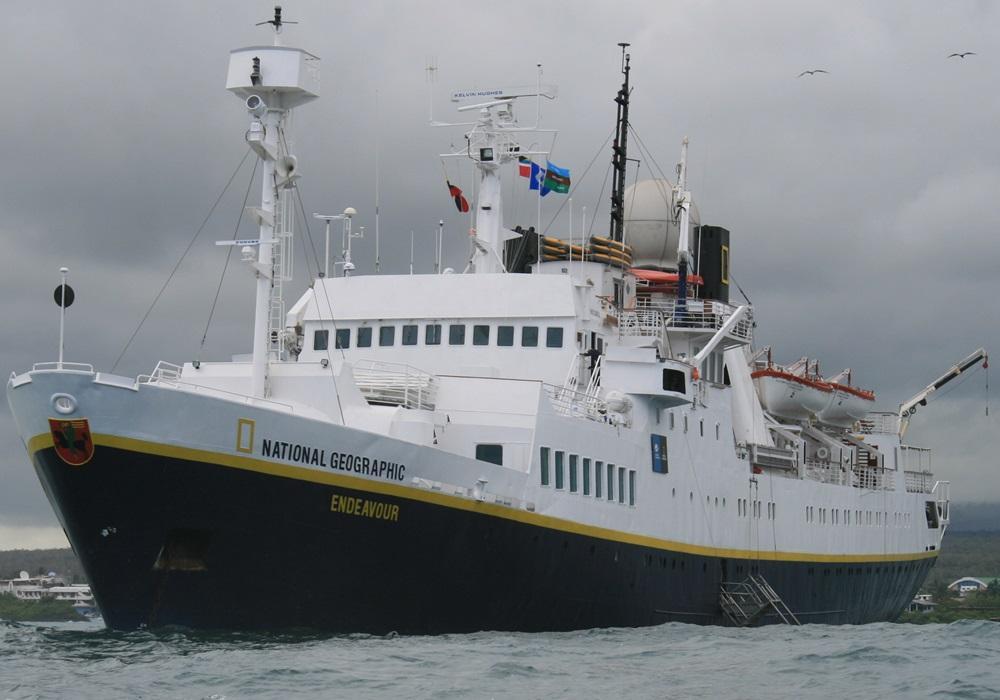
[271,80]
[619,154]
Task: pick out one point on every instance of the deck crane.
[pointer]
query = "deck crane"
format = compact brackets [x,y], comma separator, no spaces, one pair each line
[909,407]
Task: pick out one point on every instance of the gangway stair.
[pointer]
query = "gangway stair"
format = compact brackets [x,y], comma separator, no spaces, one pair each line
[745,602]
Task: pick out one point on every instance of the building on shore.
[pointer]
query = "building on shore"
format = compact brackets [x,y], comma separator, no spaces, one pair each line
[922,602]
[49,587]
[971,584]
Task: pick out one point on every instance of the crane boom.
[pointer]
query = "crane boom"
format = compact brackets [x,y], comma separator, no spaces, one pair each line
[909,407]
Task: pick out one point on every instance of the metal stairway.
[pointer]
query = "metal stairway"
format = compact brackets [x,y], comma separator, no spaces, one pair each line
[744,602]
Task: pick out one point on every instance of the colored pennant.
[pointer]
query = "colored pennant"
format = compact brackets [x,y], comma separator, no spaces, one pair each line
[461,203]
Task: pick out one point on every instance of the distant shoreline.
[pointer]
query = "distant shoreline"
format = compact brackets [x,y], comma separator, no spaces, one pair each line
[15,610]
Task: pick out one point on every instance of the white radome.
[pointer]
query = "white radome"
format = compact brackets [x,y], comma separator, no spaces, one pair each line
[650,227]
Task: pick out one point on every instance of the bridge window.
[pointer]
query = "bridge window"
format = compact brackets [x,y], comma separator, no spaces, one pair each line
[343,338]
[586,476]
[631,487]
[490,453]
[456,334]
[621,484]
[432,334]
[674,380]
[386,336]
[553,337]
[560,476]
[598,478]
[409,335]
[480,335]
[611,482]
[505,336]
[321,340]
[365,337]
[931,514]
[544,465]
[529,337]
[573,460]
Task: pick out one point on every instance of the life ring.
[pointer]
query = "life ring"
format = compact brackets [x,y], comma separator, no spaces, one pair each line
[823,453]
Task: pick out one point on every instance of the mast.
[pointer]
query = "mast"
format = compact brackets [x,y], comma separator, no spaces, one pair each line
[619,154]
[271,80]
[682,198]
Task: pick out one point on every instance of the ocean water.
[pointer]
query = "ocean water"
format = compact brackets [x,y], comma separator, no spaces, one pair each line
[83,660]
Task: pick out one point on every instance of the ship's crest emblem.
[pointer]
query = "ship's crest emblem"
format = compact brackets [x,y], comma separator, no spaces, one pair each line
[72,440]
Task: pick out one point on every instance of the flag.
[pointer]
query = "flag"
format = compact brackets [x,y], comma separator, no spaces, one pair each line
[461,203]
[556,178]
[524,166]
[538,179]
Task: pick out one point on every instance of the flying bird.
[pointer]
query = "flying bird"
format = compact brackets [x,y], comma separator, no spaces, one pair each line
[812,72]
[962,55]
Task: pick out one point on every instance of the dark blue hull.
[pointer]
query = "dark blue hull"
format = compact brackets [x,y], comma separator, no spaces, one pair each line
[170,541]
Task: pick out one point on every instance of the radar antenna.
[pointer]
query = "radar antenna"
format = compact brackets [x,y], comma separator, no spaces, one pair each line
[619,154]
[277,22]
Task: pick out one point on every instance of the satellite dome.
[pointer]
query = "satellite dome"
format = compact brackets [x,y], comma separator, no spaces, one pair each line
[649,224]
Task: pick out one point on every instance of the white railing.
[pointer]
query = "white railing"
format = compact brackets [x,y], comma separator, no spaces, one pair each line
[826,472]
[576,404]
[699,314]
[872,479]
[866,478]
[880,423]
[71,366]
[167,370]
[942,491]
[393,384]
[169,374]
[918,482]
[641,323]
[915,459]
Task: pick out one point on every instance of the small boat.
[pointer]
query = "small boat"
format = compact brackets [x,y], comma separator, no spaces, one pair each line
[848,403]
[791,392]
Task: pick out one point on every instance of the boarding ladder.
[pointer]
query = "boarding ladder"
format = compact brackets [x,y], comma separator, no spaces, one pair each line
[744,602]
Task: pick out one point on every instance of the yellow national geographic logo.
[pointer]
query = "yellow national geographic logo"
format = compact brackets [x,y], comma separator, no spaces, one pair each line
[245,428]
[364,508]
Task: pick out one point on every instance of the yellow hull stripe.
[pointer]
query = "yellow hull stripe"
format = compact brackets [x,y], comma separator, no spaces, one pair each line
[288,471]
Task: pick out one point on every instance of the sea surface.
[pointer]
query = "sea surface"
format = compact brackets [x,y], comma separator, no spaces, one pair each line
[84,660]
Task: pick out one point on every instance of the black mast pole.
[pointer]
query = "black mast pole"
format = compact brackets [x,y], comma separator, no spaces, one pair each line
[619,155]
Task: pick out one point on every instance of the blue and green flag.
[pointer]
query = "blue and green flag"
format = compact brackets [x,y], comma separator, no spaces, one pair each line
[556,178]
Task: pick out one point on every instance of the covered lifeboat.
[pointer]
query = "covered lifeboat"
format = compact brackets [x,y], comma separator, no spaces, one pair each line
[848,403]
[792,392]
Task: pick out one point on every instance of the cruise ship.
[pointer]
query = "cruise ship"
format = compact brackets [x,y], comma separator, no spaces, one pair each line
[572,432]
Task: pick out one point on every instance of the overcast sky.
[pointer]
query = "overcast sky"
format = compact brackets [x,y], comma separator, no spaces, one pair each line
[862,203]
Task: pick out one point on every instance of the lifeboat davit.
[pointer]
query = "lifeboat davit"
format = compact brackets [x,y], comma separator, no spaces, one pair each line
[786,394]
[848,403]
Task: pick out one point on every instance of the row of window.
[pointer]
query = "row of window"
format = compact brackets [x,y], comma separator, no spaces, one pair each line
[410,335]
[846,516]
[582,473]
[751,508]
[671,422]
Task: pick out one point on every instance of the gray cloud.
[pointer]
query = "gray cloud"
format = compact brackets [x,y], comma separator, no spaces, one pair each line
[861,202]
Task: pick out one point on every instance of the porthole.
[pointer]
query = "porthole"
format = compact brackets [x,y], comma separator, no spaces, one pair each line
[63,404]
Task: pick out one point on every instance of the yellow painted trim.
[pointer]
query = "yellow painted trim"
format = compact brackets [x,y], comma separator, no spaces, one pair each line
[415,494]
[40,442]
[252,425]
